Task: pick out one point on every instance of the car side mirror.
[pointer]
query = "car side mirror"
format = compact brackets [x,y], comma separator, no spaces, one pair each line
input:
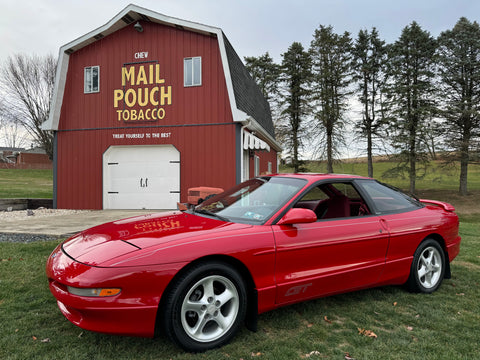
[298,216]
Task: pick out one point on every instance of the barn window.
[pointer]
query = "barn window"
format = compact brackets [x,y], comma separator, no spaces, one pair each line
[192,71]
[91,79]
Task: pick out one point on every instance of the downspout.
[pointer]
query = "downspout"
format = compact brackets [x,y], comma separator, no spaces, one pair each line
[242,165]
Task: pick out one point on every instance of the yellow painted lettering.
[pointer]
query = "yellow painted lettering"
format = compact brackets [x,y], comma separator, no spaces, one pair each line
[133,114]
[160,113]
[119,113]
[141,77]
[128,75]
[153,101]
[130,97]
[117,96]
[140,115]
[142,99]
[147,114]
[167,96]
[150,74]
[126,115]
[157,73]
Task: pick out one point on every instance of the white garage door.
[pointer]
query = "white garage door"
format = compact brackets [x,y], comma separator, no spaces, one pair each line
[141,177]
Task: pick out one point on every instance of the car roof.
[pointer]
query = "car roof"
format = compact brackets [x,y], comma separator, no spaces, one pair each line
[312,177]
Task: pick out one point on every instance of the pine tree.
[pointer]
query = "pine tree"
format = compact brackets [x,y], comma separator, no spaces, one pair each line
[332,76]
[410,92]
[459,70]
[266,74]
[368,62]
[294,97]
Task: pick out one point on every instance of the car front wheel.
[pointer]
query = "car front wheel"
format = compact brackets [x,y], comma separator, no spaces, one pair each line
[205,307]
[428,267]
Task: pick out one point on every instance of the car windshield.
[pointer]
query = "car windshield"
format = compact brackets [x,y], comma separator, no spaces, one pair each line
[253,201]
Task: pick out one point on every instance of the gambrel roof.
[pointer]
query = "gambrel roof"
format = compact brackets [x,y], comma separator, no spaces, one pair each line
[247,103]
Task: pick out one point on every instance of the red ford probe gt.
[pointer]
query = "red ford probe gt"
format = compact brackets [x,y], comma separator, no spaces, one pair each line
[271,241]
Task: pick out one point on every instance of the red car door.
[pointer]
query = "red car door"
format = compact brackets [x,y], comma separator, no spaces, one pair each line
[328,256]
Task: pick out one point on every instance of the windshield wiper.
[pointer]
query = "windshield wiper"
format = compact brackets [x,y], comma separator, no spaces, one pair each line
[207,212]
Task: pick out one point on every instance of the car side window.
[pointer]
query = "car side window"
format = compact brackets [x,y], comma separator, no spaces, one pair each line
[387,199]
[334,200]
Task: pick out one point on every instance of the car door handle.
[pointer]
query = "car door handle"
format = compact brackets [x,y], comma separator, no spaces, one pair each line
[385,225]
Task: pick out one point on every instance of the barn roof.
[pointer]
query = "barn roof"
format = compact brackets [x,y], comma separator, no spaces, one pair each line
[248,105]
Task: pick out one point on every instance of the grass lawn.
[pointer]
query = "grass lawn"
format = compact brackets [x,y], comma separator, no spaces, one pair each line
[438,176]
[443,325]
[19,183]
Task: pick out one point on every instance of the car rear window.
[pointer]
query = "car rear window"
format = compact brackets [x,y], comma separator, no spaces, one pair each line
[387,199]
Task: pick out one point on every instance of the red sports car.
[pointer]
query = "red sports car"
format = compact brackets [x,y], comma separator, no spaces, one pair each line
[198,275]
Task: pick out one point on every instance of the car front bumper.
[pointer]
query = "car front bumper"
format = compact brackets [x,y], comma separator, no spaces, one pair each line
[132,312]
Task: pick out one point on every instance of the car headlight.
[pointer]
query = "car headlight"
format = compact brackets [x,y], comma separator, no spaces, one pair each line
[93,292]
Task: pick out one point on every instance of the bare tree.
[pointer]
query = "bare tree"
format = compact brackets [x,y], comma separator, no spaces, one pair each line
[11,135]
[27,83]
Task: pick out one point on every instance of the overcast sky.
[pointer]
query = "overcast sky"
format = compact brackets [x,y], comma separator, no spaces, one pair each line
[252,26]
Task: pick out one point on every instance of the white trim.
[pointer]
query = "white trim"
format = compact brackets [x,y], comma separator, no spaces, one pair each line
[193,73]
[251,142]
[58,92]
[91,91]
[255,126]
[116,23]
[237,114]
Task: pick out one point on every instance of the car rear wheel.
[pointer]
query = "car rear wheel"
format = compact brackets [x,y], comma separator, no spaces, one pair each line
[205,307]
[428,267]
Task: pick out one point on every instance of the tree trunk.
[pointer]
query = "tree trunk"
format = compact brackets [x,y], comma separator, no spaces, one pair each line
[412,157]
[464,157]
[296,165]
[369,152]
[329,154]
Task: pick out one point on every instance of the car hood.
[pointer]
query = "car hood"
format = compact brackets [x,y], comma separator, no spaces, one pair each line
[99,244]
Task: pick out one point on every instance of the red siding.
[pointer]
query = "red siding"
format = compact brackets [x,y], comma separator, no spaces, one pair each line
[191,105]
[199,119]
[206,154]
[265,158]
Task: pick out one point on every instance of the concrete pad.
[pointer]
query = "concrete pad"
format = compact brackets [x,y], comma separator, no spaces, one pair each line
[65,225]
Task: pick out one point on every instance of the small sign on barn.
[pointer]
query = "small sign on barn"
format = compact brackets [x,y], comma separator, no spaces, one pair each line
[146,107]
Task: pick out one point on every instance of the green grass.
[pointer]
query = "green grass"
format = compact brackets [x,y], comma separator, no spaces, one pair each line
[17,183]
[443,325]
[20,183]
[437,176]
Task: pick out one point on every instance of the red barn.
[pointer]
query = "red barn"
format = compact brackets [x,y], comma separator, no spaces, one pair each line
[148,106]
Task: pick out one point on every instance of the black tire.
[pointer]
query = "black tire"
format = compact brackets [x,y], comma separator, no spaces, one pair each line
[428,267]
[205,307]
